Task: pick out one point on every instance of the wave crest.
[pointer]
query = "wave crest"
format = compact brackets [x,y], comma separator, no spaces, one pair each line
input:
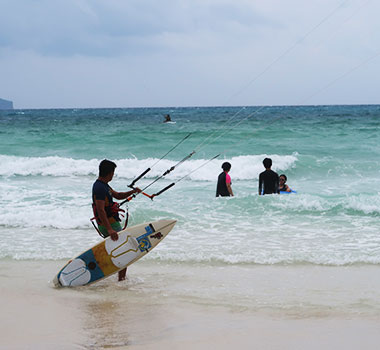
[245,167]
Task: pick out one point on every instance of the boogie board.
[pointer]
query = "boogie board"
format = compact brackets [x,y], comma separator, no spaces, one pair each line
[108,257]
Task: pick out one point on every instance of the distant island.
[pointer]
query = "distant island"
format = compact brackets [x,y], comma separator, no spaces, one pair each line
[4,104]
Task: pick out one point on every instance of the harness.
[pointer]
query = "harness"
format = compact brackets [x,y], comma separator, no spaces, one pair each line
[111,210]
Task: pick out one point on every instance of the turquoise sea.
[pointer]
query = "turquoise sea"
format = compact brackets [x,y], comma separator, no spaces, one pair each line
[330,154]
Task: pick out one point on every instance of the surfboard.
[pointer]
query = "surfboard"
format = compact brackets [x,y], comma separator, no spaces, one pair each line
[108,257]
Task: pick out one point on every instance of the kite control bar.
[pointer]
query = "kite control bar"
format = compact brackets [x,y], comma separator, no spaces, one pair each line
[132,185]
[163,190]
[151,196]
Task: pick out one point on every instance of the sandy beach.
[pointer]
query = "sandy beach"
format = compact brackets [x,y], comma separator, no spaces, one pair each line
[173,306]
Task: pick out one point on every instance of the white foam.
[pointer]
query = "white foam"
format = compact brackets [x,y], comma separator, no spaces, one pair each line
[47,206]
[46,166]
[362,204]
[243,167]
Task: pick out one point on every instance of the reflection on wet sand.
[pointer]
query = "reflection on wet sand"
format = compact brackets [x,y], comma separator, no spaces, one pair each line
[115,316]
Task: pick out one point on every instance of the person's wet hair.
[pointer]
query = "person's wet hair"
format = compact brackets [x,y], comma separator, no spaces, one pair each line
[226,166]
[106,167]
[267,162]
[284,176]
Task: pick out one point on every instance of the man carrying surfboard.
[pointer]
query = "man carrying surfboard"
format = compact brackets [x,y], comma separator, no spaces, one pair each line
[106,211]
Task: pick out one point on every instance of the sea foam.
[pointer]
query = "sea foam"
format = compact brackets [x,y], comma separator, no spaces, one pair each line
[243,167]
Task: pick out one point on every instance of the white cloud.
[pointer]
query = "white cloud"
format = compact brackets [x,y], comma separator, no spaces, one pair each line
[111,28]
[79,53]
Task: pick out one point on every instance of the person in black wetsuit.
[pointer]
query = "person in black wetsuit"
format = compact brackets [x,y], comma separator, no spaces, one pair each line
[268,179]
[223,188]
[167,118]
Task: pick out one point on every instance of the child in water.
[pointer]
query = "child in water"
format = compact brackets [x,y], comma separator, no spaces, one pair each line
[283,187]
[223,187]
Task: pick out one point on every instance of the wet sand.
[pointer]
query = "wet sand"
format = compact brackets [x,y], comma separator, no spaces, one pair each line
[164,306]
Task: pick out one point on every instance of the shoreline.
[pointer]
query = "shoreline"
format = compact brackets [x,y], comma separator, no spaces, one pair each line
[186,307]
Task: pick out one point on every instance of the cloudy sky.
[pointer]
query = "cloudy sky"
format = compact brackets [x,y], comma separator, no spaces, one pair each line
[144,53]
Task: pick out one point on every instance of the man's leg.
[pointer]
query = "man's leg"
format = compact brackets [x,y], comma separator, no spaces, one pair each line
[122,274]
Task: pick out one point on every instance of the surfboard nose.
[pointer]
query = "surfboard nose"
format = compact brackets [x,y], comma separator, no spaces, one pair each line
[166,224]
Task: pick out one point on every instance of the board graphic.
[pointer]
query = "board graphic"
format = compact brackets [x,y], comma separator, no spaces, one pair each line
[108,257]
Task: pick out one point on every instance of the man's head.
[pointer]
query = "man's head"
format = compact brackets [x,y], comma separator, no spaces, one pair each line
[267,162]
[226,166]
[106,167]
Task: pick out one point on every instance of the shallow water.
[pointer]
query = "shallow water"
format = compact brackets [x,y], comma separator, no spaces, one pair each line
[49,160]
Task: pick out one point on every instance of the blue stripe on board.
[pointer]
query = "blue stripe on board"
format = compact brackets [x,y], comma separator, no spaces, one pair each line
[92,265]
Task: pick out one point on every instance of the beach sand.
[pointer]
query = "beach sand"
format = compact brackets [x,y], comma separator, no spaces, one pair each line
[183,306]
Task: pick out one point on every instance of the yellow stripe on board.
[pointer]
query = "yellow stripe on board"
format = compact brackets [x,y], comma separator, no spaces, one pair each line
[104,259]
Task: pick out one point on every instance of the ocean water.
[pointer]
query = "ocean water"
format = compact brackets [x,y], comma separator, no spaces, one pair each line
[330,154]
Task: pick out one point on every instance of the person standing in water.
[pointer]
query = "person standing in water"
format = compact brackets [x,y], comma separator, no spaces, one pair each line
[105,209]
[268,179]
[223,187]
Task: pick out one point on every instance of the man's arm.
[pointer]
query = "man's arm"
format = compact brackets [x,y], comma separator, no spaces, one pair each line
[124,195]
[229,188]
[277,184]
[228,184]
[260,184]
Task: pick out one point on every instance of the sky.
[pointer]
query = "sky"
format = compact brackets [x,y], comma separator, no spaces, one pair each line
[172,53]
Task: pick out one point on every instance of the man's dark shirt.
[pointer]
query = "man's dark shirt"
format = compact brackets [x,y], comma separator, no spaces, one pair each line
[102,191]
[270,180]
